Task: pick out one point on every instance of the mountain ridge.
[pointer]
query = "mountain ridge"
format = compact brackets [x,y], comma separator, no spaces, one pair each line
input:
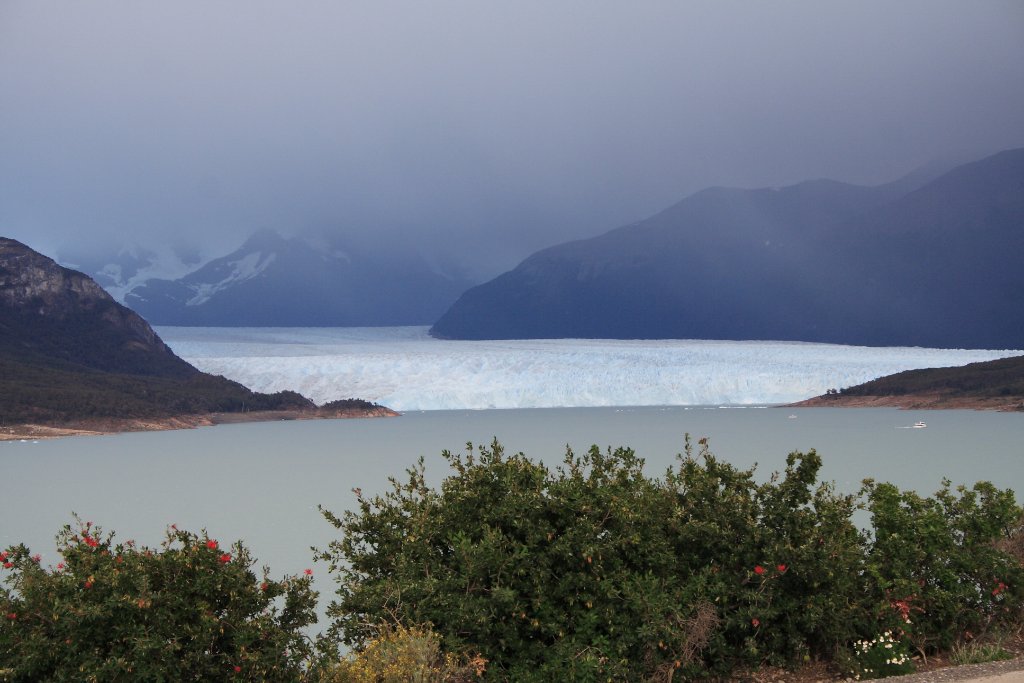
[817,261]
[278,281]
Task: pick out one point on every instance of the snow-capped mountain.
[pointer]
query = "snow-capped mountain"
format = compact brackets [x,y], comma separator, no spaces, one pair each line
[276,281]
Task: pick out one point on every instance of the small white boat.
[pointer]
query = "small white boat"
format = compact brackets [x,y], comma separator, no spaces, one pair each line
[919,425]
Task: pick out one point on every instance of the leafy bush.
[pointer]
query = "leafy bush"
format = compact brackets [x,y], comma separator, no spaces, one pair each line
[190,610]
[594,570]
[936,564]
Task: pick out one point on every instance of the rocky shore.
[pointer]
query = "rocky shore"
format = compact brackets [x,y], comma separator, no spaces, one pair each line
[96,427]
[934,401]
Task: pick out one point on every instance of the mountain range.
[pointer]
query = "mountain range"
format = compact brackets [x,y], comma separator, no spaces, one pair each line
[70,353]
[925,261]
[279,281]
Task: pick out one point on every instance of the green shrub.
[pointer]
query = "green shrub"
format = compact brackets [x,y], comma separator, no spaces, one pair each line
[595,571]
[937,568]
[189,610]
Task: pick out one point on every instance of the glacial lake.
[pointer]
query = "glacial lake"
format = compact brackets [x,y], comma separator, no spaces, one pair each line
[263,482]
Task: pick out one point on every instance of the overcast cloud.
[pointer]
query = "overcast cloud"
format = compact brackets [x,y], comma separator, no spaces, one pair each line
[482,128]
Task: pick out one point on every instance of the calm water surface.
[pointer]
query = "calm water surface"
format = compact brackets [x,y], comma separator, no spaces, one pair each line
[263,482]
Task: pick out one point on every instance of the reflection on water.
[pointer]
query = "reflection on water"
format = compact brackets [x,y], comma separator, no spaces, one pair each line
[263,482]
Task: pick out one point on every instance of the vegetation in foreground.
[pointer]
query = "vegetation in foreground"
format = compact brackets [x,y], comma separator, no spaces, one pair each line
[188,610]
[512,570]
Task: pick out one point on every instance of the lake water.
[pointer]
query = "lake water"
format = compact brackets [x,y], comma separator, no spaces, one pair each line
[263,482]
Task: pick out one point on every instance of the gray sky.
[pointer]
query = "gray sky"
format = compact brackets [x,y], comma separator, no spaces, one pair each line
[487,129]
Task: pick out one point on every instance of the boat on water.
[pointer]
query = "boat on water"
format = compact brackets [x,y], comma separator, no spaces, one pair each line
[919,425]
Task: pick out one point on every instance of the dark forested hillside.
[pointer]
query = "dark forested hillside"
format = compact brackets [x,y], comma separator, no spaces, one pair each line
[997,384]
[68,352]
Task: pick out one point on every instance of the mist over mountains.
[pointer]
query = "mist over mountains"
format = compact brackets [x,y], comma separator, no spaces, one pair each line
[273,280]
[921,262]
[932,259]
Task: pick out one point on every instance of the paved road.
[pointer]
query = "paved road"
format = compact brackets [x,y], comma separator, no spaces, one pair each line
[1011,671]
[1010,677]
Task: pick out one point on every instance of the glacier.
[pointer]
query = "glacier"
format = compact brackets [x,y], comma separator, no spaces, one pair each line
[407,370]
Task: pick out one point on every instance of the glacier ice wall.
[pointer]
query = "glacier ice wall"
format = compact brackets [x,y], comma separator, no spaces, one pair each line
[405,369]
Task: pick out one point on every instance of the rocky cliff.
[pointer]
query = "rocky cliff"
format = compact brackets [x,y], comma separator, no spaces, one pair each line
[50,311]
[72,356]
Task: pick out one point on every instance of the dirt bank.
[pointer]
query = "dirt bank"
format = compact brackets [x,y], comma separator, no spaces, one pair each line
[95,427]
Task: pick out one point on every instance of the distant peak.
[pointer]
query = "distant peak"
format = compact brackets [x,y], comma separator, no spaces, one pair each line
[264,239]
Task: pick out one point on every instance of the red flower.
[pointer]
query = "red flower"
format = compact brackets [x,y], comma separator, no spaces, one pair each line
[225,558]
[755,622]
[3,556]
[782,568]
[759,570]
[264,586]
[211,544]
[7,565]
[1000,587]
[60,566]
[90,541]
[12,615]
[238,669]
[309,572]
[88,584]
[37,558]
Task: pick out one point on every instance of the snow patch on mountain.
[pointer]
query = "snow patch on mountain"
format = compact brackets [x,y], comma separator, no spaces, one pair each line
[130,267]
[245,268]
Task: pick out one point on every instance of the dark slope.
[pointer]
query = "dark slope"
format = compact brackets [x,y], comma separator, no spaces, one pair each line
[992,384]
[69,352]
[47,311]
[819,261]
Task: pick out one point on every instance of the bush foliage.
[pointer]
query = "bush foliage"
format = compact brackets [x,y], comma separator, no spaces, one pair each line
[593,570]
[189,610]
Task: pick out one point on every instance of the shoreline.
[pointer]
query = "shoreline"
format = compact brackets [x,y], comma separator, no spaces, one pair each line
[110,426]
[935,401]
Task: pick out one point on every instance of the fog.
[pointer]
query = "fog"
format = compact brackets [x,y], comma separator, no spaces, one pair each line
[479,130]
